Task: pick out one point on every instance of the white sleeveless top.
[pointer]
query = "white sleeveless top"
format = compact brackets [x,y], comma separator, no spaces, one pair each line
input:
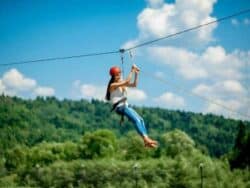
[117,95]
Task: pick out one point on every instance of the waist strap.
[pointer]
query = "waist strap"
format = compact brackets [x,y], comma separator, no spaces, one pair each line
[118,102]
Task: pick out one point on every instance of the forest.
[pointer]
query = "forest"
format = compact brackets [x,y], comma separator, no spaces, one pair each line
[47,142]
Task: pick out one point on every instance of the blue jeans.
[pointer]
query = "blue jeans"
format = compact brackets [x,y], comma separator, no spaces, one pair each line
[134,117]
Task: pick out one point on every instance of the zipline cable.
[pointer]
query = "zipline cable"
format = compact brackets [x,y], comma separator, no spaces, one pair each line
[133,47]
[60,58]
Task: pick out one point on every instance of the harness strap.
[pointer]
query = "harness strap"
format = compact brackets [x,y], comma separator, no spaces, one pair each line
[117,103]
[115,106]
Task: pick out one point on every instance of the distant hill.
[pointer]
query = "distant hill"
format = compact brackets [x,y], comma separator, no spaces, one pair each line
[51,143]
[30,122]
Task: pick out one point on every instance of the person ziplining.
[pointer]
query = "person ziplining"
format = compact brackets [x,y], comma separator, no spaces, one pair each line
[117,95]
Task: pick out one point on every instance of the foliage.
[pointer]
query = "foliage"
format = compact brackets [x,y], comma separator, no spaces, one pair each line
[240,155]
[50,143]
[30,122]
[180,167]
[101,143]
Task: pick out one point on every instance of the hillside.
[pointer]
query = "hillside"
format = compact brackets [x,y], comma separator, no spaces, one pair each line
[30,122]
[52,143]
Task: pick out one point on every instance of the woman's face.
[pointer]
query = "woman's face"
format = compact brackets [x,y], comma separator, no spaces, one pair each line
[118,76]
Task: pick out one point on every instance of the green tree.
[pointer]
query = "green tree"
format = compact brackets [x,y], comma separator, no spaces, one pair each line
[132,147]
[101,143]
[240,156]
[177,142]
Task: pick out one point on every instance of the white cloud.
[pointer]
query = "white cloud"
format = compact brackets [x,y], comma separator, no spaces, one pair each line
[13,79]
[214,55]
[214,63]
[223,89]
[155,22]
[233,86]
[170,100]
[92,91]
[231,104]
[217,73]
[202,89]
[185,62]
[14,83]
[44,91]
[161,19]
[136,94]
[225,72]
[228,108]
[225,97]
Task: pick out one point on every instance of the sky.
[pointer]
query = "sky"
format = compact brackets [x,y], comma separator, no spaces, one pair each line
[204,71]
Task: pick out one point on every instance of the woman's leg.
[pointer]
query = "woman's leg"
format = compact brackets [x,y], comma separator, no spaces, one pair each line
[133,116]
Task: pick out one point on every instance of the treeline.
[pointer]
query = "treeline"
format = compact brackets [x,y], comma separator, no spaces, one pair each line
[30,122]
[48,142]
[102,160]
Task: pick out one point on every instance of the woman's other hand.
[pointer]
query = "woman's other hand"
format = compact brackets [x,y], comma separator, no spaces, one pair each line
[135,68]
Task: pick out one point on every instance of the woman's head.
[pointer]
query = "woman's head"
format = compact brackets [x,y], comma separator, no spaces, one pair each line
[115,73]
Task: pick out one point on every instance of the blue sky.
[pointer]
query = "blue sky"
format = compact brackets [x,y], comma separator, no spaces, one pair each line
[212,62]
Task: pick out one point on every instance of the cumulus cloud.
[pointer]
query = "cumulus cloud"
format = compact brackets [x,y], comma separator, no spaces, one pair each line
[136,95]
[213,63]
[93,91]
[160,19]
[14,82]
[44,91]
[13,79]
[226,82]
[231,104]
[225,72]
[225,97]
[212,71]
[232,108]
[88,91]
[184,62]
[170,100]
[227,88]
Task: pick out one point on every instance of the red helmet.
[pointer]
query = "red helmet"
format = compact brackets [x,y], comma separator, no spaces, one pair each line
[114,71]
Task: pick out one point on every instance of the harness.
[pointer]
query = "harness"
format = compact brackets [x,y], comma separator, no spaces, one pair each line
[123,99]
[115,105]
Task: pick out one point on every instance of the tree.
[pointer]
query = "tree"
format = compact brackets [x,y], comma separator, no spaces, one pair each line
[101,143]
[177,142]
[132,148]
[240,156]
